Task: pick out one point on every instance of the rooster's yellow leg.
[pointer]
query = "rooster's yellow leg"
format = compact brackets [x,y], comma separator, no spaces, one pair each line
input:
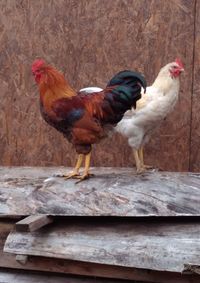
[141,156]
[138,164]
[86,173]
[75,172]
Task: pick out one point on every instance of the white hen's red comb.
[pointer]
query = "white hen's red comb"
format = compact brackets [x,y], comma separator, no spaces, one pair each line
[178,61]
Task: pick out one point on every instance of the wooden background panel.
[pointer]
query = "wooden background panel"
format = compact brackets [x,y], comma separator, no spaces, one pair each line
[195,125]
[89,41]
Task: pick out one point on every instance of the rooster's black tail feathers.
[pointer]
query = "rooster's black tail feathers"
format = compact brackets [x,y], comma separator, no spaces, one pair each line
[125,91]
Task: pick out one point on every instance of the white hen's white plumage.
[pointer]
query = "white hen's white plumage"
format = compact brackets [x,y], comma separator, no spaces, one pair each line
[158,101]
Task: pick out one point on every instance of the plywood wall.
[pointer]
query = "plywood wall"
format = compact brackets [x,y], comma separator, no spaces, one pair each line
[89,41]
[195,117]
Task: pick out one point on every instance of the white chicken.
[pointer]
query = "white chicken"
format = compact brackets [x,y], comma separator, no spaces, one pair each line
[158,101]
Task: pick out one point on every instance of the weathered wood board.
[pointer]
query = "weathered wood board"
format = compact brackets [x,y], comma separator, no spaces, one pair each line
[33,222]
[112,192]
[27,277]
[46,264]
[153,246]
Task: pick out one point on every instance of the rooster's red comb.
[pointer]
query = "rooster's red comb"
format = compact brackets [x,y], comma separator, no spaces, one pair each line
[37,64]
[178,61]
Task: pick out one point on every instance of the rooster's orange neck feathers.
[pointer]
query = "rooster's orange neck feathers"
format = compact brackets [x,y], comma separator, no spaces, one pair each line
[54,83]
[53,86]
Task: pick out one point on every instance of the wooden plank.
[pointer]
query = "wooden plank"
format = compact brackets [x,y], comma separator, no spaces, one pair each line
[96,270]
[45,264]
[113,192]
[192,268]
[24,277]
[152,246]
[22,259]
[33,223]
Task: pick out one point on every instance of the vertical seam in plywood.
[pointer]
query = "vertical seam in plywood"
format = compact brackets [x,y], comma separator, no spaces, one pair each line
[192,86]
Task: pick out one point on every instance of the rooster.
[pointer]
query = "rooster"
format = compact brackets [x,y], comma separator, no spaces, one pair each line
[158,101]
[84,118]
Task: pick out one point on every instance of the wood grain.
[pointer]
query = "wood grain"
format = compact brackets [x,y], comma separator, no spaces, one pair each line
[153,246]
[68,267]
[111,192]
[90,41]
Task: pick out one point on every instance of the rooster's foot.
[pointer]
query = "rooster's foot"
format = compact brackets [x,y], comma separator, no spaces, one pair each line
[84,177]
[72,175]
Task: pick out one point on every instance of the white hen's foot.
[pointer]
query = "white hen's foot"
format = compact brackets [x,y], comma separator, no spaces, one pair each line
[140,170]
[148,167]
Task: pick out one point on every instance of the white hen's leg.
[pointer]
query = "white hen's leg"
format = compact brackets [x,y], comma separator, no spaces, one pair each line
[141,156]
[138,164]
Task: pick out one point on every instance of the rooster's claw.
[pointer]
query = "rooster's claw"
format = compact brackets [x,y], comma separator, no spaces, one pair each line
[72,175]
[84,177]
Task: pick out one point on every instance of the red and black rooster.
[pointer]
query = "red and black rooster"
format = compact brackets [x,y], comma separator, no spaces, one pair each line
[84,118]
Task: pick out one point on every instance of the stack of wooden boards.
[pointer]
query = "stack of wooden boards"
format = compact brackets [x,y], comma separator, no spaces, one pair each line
[117,226]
